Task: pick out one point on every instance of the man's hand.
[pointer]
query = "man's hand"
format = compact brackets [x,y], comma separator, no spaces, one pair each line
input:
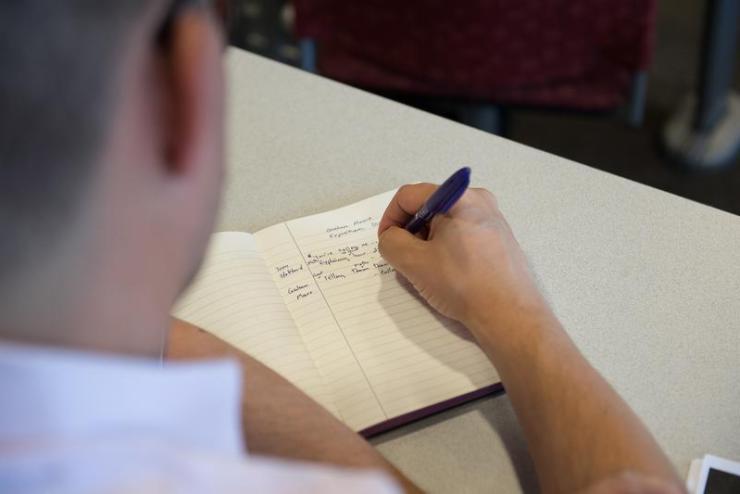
[581,435]
[470,263]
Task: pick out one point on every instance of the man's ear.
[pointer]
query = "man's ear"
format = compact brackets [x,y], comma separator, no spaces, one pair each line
[193,86]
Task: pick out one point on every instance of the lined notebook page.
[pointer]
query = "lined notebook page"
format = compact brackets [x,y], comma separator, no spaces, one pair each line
[357,404]
[235,298]
[410,356]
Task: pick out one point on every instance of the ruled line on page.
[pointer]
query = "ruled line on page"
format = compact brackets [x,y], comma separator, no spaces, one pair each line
[333,356]
[396,338]
[235,298]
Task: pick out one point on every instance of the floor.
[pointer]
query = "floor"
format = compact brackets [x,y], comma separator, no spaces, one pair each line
[635,153]
[601,142]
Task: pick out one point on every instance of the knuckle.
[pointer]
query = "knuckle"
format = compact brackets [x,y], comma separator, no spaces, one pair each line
[483,192]
[486,196]
[383,242]
[389,245]
[405,188]
[476,196]
[410,188]
[468,197]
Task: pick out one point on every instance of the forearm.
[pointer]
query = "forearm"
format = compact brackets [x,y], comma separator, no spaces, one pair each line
[471,268]
[278,419]
[579,430]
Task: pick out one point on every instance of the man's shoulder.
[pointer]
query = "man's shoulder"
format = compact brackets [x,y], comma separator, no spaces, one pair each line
[145,465]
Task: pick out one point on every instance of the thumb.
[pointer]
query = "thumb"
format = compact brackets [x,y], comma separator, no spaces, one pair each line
[401,249]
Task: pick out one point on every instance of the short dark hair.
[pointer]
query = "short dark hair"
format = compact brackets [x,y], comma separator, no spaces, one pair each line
[58,62]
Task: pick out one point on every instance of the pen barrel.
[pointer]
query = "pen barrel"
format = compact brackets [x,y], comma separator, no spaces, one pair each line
[415,225]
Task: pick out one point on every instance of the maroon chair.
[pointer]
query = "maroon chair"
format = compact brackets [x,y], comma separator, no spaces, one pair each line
[568,54]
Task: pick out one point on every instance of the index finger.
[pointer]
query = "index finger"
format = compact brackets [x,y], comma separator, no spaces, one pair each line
[404,205]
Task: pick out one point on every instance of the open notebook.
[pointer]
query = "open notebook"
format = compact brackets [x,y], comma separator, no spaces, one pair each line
[312,299]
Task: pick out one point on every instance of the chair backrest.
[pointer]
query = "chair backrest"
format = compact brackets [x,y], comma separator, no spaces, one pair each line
[479,47]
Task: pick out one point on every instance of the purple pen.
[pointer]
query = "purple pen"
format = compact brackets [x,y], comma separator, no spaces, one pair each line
[441,200]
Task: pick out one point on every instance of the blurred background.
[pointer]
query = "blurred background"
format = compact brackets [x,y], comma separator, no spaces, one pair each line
[644,89]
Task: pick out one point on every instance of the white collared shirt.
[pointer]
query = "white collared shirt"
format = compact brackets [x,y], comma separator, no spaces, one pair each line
[72,422]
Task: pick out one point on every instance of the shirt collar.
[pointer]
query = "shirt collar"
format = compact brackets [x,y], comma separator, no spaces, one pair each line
[51,394]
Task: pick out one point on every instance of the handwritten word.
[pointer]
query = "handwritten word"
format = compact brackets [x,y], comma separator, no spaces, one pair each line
[296,289]
[286,270]
[345,232]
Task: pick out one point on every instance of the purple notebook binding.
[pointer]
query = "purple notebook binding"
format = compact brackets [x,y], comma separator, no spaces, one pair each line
[407,418]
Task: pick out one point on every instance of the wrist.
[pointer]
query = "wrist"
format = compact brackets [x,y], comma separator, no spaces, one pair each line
[489,318]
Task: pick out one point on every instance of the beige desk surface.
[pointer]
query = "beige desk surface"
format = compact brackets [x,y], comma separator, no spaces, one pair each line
[647,283]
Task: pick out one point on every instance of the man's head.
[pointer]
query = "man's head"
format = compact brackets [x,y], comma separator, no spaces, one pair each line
[110,165]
